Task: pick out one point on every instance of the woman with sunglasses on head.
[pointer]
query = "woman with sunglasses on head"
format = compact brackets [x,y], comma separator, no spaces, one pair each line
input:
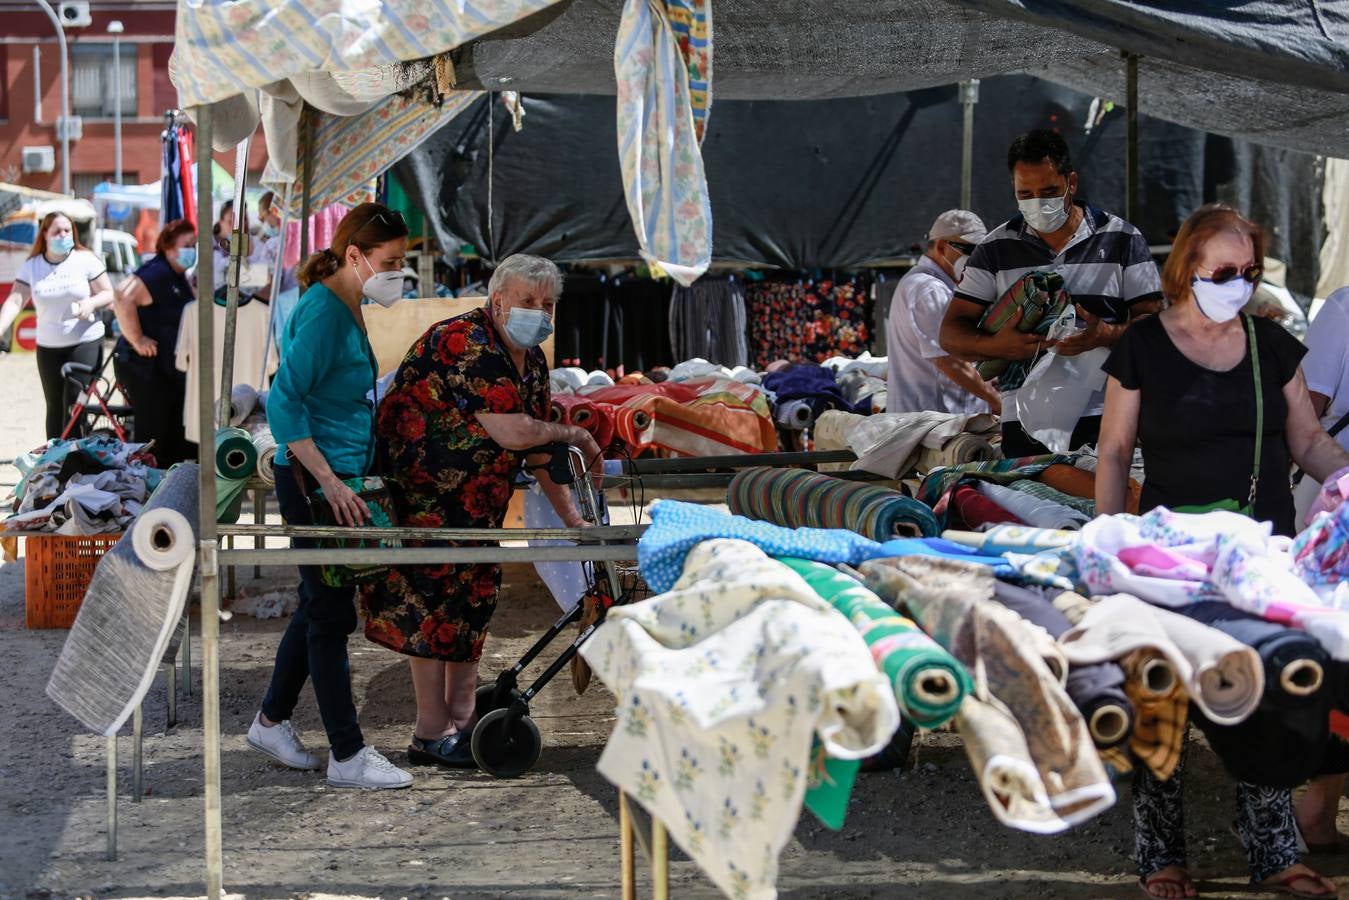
[324,425]
[69,288]
[1183,385]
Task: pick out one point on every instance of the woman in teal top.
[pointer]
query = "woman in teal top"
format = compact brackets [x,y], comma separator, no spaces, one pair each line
[322,420]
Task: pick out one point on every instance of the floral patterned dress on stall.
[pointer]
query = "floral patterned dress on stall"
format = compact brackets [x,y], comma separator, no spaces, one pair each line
[445,471]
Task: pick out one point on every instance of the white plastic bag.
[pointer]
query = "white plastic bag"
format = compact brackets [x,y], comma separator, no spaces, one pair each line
[1056,394]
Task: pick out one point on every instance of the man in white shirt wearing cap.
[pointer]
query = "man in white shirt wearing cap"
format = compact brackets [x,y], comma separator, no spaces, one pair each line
[923,376]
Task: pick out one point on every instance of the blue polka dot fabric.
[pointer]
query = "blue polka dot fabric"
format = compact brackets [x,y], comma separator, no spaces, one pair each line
[676,528]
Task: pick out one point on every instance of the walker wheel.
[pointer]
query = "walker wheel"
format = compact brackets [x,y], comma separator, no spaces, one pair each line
[484,699]
[503,749]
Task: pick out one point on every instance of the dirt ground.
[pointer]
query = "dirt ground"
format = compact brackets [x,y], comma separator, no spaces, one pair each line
[551,833]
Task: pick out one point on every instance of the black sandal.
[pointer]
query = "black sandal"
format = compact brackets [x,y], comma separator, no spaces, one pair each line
[453,751]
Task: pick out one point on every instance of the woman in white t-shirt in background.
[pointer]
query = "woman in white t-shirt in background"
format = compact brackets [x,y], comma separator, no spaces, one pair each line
[68,286]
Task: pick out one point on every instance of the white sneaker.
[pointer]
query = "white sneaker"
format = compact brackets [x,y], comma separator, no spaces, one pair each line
[283,744]
[368,770]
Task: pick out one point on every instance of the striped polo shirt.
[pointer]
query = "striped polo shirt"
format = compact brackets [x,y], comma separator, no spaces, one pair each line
[1106,268]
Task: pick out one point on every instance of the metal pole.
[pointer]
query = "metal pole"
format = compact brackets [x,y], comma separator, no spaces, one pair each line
[969,95]
[208,565]
[112,796]
[62,126]
[137,737]
[1131,136]
[306,173]
[115,29]
[238,240]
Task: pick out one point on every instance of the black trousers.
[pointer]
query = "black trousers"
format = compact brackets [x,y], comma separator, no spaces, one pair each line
[1016,442]
[157,400]
[59,395]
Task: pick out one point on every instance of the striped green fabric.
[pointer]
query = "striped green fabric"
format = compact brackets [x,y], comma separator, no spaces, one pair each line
[1054,495]
[798,498]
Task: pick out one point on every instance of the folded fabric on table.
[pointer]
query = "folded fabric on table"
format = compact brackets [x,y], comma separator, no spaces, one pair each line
[1224,677]
[928,682]
[945,549]
[806,381]
[676,528]
[888,444]
[1175,559]
[721,684]
[800,498]
[953,602]
[1041,298]
[1032,510]
[973,510]
[701,417]
[1097,689]
[1084,505]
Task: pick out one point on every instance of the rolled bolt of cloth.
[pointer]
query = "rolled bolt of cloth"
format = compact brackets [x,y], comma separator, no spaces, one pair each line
[1040,298]
[953,602]
[1002,765]
[1033,510]
[1079,482]
[794,415]
[243,400]
[959,450]
[799,498]
[928,681]
[1287,739]
[1096,688]
[596,418]
[131,611]
[936,485]
[1014,539]
[974,510]
[1161,705]
[265,444]
[1225,678]
[236,461]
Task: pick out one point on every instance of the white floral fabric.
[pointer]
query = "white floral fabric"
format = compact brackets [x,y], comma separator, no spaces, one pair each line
[721,684]
[662,164]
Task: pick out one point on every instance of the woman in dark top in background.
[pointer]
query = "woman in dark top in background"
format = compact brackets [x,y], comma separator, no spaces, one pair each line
[1182,383]
[149,307]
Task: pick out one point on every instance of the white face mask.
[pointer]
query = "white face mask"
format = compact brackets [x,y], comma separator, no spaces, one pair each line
[384,288]
[1045,215]
[1221,302]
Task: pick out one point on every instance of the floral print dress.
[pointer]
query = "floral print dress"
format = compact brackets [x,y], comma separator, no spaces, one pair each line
[444,471]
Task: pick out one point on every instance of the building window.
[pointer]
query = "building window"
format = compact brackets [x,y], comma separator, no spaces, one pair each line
[82,184]
[91,80]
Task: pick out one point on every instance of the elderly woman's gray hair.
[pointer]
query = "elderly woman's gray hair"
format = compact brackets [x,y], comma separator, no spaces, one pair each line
[534,271]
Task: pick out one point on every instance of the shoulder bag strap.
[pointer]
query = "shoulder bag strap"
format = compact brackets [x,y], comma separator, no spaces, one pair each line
[1259,411]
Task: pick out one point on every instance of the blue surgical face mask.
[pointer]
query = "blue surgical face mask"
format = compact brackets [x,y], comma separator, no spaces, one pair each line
[62,245]
[528,327]
[187,257]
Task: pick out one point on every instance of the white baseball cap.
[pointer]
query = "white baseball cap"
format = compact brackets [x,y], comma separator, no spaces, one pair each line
[957,225]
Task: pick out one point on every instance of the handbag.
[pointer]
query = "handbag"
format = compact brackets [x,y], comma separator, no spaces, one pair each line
[1234,505]
[374,493]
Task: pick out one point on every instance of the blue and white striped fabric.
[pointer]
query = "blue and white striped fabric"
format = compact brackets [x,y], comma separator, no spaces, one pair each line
[676,528]
[662,164]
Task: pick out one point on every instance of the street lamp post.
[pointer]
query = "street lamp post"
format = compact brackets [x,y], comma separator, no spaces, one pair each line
[63,127]
[115,29]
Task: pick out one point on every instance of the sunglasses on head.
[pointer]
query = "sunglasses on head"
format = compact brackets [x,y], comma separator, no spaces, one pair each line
[962,246]
[1224,274]
[392,218]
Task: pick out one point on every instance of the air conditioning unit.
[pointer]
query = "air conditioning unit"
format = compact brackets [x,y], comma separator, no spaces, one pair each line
[39,159]
[74,14]
[71,127]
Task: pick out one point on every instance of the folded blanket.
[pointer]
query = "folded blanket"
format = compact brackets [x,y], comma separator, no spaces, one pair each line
[800,498]
[953,602]
[720,686]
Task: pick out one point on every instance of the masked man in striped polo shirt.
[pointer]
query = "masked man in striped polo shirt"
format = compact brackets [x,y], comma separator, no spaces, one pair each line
[1104,261]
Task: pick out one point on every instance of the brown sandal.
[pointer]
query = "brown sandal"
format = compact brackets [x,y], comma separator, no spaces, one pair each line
[1285,885]
[1146,885]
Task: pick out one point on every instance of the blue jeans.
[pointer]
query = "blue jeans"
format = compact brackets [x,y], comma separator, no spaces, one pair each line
[315,643]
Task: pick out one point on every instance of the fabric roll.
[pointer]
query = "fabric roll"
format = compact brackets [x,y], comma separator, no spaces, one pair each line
[265,444]
[596,418]
[133,607]
[928,682]
[1225,678]
[794,415]
[235,455]
[974,510]
[1084,505]
[243,400]
[1041,298]
[1014,539]
[798,498]
[599,379]
[1032,510]
[726,678]
[676,528]
[1295,663]
[833,427]
[959,450]
[1097,689]
[1070,480]
[936,486]
[1002,765]
[953,602]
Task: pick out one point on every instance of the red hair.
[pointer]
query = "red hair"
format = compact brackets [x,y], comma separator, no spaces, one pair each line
[1204,224]
[171,233]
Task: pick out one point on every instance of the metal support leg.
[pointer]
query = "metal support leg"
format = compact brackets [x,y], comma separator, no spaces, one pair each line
[137,733]
[112,797]
[259,518]
[627,851]
[171,693]
[187,654]
[229,571]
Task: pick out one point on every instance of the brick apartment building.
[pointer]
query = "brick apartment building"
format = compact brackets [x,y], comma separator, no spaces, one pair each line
[30,99]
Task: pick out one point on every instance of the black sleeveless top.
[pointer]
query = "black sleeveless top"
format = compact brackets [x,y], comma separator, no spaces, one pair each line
[169,292]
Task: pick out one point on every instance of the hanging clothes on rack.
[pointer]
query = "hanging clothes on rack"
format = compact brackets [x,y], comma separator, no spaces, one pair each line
[708,321]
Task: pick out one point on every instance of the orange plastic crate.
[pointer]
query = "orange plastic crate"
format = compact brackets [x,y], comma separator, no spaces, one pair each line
[57,572]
